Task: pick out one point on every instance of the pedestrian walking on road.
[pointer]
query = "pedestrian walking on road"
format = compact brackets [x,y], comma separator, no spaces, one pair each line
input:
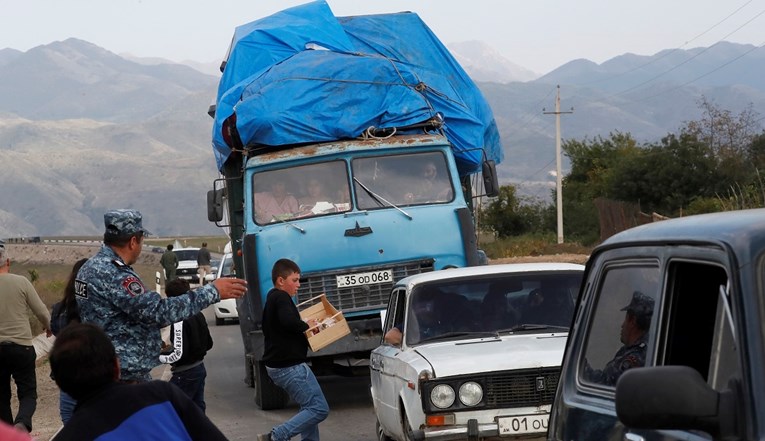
[286,347]
[63,314]
[111,295]
[190,341]
[203,263]
[17,354]
[169,262]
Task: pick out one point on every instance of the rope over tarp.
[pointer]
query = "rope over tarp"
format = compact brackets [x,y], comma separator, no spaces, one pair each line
[303,75]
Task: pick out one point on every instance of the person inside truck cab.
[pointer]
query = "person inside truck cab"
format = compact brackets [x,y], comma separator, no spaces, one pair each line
[634,337]
[429,187]
[275,204]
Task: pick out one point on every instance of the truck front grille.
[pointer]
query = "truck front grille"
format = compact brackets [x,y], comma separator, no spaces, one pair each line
[358,298]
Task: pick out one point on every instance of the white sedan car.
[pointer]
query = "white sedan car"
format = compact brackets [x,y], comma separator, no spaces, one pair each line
[473,353]
[225,309]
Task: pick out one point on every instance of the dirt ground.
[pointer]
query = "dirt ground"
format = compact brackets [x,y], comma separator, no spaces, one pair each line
[46,420]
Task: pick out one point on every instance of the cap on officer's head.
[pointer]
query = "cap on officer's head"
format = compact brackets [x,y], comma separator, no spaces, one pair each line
[123,223]
[640,305]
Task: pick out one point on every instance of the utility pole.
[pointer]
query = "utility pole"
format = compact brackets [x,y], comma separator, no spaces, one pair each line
[558,177]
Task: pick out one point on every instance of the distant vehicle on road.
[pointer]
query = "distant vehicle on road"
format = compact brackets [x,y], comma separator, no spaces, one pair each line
[187,264]
[479,354]
[226,309]
[158,250]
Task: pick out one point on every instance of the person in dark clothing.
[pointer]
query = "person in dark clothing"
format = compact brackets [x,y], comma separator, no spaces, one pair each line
[85,365]
[62,314]
[203,263]
[190,342]
[285,352]
[169,262]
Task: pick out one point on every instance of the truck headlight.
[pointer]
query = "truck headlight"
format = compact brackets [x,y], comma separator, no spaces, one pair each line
[471,393]
[442,396]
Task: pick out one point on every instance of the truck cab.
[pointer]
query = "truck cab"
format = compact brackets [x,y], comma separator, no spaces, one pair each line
[696,372]
[385,209]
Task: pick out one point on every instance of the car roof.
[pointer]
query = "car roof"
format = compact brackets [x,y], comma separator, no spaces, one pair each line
[477,271]
[741,231]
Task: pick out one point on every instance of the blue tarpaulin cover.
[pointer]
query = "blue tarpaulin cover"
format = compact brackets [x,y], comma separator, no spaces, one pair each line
[304,75]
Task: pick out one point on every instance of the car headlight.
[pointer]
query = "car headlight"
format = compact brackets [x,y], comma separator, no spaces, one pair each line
[442,396]
[471,393]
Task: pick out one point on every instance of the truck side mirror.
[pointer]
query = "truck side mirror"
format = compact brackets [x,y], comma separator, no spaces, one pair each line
[215,205]
[490,182]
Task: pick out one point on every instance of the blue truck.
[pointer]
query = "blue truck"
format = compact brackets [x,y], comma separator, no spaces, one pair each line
[356,147]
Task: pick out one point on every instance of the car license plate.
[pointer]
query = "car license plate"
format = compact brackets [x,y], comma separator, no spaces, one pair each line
[369,278]
[522,424]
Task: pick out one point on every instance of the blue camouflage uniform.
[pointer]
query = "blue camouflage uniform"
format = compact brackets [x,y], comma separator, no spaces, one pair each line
[628,356]
[111,295]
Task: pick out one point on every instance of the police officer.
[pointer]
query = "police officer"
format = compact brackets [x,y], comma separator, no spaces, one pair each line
[634,336]
[111,295]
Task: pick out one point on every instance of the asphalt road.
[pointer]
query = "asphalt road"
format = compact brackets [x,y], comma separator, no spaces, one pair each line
[231,406]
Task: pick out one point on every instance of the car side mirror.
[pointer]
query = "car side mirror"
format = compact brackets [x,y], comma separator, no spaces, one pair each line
[215,205]
[673,398]
[490,182]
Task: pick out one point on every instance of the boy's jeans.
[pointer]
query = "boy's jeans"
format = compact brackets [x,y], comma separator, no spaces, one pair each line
[301,385]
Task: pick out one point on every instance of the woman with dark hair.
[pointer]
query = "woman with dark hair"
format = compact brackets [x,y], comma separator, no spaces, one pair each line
[65,312]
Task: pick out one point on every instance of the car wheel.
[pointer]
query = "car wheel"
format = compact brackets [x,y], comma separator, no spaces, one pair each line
[219,321]
[408,435]
[381,436]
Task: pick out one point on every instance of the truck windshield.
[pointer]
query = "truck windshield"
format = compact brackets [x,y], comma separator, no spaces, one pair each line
[401,180]
[300,192]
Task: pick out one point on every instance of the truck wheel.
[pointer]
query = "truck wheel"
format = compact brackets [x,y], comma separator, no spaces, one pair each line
[381,436]
[268,396]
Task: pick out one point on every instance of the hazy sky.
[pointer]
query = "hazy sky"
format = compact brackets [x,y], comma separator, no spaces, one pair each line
[539,35]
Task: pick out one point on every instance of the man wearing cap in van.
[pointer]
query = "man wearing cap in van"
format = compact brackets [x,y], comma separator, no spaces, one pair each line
[111,295]
[634,336]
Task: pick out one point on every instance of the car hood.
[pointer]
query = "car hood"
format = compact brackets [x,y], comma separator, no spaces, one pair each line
[488,355]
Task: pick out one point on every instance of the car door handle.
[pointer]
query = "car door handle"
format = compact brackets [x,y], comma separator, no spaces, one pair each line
[633,437]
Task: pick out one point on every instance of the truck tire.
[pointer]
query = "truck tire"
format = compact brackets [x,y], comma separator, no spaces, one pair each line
[268,396]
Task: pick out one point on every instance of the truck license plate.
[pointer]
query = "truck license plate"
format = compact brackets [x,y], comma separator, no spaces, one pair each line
[369,278]
[522,424]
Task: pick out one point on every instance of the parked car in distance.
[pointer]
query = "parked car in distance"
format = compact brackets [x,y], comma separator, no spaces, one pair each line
[698,370]
[226,309]
[187,264]
[214,264]
[479,353]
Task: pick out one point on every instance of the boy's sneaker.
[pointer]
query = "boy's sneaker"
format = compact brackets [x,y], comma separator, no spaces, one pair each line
[264,437]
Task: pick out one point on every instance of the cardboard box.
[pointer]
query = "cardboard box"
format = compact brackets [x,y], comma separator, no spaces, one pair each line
[322,311]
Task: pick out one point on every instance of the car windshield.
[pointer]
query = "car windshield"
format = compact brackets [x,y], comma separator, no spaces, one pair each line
[186,254]
[493,305]
[300,192]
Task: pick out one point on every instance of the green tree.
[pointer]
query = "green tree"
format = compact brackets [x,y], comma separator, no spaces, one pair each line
[513,215]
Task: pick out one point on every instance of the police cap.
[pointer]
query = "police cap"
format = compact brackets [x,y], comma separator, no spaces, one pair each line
[123,223]
[640,305]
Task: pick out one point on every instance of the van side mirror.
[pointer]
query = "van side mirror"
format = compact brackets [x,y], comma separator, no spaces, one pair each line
[490,182]
[674,398]
[215,205]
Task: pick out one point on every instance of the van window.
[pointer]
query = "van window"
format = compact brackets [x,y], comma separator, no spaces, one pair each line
[698,324]
[623,322]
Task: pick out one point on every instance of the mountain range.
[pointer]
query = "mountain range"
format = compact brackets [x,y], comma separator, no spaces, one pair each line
[83,129]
